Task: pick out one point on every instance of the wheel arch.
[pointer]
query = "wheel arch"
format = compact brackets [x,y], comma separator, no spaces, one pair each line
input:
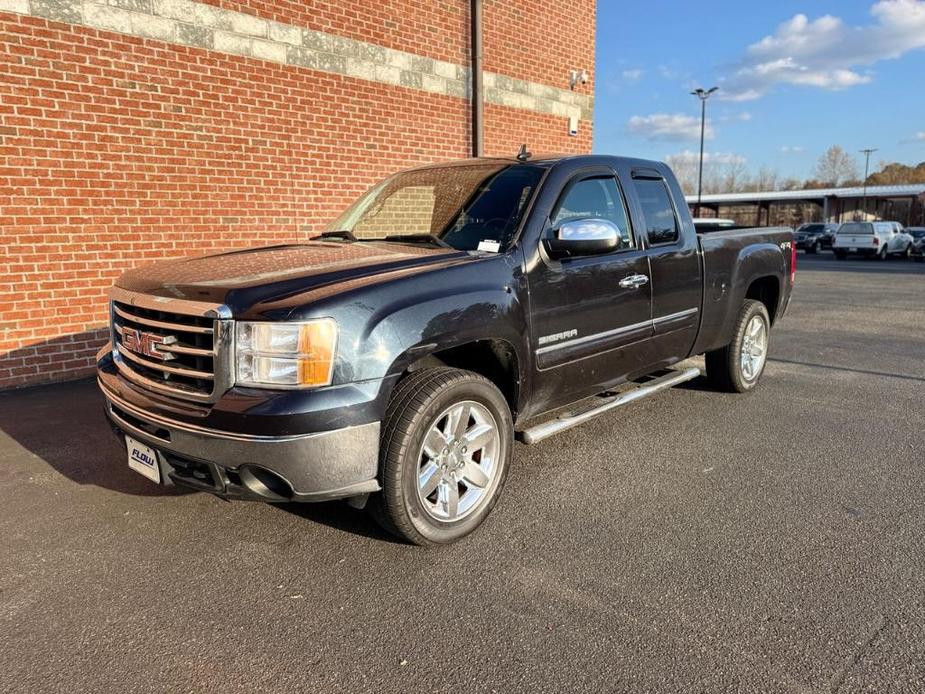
[767,290]
[494,358]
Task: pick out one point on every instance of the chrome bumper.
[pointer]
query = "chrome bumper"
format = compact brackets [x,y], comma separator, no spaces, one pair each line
[312,467]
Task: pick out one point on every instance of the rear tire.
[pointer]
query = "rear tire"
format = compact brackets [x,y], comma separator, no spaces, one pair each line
[737,367]
[816,248]
[424,432]
[882,255]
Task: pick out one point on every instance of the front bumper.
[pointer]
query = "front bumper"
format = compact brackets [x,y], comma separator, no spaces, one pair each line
[308,467]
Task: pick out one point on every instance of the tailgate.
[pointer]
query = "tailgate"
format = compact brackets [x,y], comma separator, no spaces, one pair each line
[855,240]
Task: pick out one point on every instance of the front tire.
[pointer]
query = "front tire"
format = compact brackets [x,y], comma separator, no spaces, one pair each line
[882,255]
[737,367]
[816,248]
[446,447]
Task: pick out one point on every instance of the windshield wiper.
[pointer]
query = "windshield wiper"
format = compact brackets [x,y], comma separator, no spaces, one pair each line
[342,235]
[432,239]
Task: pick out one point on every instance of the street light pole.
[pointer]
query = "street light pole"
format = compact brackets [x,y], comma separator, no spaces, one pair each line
[703,95]
[866,153]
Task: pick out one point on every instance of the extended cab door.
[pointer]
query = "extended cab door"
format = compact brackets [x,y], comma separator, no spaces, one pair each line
[674,264]
[591,315]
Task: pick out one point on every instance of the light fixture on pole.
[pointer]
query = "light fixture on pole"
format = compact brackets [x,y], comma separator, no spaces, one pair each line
[703,95]
[866,153]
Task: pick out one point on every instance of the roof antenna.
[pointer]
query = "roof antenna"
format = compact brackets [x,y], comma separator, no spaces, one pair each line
[524,154]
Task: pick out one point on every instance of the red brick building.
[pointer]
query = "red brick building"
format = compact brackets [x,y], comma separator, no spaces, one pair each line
[134,130]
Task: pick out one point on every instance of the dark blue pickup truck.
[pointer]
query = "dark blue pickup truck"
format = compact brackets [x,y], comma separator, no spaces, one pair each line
[393,360]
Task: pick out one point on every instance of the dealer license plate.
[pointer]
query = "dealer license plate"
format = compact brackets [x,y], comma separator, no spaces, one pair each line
[143,459]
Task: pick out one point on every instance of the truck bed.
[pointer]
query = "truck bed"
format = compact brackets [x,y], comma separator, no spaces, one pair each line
[730,258]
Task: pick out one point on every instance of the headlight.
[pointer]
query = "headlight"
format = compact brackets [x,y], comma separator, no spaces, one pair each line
[285,355]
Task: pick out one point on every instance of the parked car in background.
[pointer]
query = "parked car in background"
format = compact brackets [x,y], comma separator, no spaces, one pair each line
[918,242]
[815,236]
[872,239]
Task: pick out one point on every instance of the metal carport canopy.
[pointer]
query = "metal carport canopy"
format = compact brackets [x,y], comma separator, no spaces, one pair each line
[815,194]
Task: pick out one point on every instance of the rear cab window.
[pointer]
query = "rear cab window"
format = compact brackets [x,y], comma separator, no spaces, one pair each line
[658,211]
[856,228]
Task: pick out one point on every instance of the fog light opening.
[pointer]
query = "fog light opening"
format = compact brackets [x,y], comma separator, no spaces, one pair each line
[265,483]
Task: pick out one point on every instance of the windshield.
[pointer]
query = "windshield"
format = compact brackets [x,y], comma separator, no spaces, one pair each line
[856,228]
[917,232]
[812,228]
[464,206]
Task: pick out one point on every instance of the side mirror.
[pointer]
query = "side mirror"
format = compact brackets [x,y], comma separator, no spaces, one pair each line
[583,237]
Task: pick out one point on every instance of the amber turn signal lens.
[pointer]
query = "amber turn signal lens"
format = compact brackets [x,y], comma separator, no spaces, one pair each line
[285,355]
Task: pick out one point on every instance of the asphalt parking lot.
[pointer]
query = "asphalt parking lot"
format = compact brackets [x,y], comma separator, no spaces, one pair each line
[696,541]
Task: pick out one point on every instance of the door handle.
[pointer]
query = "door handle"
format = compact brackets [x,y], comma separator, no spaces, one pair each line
[634,281]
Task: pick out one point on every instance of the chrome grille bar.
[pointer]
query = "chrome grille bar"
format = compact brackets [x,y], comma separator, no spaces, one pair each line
[161,324]
[177,347]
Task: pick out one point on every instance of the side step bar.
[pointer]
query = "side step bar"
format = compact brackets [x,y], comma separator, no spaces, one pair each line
[571,419]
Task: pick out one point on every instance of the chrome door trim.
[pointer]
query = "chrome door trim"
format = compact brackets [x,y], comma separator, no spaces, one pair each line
[616,331]
[674,316]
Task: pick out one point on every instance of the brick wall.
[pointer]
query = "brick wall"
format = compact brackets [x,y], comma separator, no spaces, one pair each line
[144,129]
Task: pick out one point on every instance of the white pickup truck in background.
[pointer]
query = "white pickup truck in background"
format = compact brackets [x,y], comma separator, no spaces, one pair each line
[872,239]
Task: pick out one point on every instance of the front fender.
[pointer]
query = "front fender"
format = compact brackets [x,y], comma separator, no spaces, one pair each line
[402,334]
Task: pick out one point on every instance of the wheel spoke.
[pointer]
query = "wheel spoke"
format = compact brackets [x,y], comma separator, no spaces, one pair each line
[478,437]
[428,479]
[474,474]
[434,443]
[448,498]
[458,421]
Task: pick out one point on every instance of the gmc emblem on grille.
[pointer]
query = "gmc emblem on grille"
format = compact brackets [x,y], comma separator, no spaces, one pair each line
[147,343]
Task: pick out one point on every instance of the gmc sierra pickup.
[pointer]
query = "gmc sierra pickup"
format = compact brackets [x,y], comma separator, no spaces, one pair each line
[393,358]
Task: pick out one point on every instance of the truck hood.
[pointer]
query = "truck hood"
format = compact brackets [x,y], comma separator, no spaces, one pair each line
[242,279]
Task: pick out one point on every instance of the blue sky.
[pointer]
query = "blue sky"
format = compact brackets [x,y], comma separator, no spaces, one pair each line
[795,78]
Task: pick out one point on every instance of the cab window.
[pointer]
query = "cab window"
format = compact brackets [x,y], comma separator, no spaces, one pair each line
[657,210]
[597,198]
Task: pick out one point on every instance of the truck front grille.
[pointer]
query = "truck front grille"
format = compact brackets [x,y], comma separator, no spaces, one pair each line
[173,347]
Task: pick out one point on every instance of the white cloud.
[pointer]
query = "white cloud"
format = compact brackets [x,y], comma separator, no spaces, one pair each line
[688,157]
[826,53]
[920,135]
[672,127]
[792,149]
[741,117]
[633,75]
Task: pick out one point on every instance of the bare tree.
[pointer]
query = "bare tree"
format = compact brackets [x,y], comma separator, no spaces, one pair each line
[836,166]
[685,170]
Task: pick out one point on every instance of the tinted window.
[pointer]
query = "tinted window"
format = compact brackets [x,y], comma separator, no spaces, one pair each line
[661,222]
[856,228]
[812,228]
[597,198]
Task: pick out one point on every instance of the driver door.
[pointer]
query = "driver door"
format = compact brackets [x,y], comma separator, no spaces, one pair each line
[591,315]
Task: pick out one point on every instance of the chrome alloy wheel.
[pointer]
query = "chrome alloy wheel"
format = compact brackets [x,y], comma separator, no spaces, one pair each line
[458,461]
[754,348]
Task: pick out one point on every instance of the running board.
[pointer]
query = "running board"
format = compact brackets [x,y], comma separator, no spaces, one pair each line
[571,419]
